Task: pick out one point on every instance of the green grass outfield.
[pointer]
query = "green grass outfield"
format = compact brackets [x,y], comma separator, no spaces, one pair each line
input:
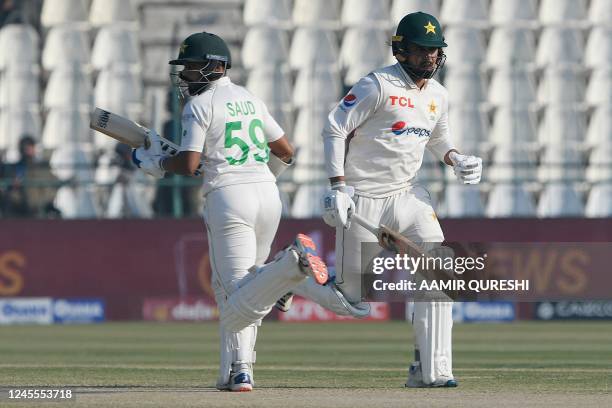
[330,364]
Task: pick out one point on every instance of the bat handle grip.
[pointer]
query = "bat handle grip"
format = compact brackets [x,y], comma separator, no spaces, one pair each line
[365,223]
[147,142]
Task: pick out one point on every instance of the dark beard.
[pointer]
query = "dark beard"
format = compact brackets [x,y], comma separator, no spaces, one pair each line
[418,73]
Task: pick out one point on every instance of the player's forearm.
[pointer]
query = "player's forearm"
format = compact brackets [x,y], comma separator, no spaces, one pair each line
[185,163]
[334,156]
[440,147]
[282,149]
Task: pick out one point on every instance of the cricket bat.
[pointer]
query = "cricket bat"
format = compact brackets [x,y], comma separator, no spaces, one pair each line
[131,133]
[394,241]
[119,128]
[389,239]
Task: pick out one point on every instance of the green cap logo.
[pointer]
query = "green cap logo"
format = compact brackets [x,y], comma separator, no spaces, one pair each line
[430,28]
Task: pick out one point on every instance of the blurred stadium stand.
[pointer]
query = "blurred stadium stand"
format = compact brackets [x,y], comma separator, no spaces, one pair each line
[530,90]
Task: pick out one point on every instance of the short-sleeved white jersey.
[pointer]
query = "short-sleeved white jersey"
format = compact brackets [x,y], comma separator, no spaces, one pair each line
[376,136]
[232,128]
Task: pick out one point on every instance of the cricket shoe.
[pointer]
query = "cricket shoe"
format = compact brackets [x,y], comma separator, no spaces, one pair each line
[284,303]
[310,263]
[415,379]
[241,381]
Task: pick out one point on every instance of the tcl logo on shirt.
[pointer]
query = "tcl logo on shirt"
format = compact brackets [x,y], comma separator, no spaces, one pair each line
[401,101]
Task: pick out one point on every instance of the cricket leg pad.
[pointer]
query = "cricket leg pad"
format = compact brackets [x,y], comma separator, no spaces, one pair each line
[254,300]
[433,322]
[330,297]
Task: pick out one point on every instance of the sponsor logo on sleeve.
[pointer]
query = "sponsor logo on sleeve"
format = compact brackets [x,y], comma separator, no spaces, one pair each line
[348,102]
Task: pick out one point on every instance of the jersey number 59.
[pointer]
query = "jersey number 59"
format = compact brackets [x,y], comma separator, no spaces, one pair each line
[261,152]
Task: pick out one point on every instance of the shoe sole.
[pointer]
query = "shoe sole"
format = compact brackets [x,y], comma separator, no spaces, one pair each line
[242,388]
[284,303]
[306,247]
[448,384]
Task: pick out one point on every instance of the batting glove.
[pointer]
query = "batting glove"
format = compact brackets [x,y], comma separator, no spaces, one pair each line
[148,162]
[155,142]
[338,207]
[468,169]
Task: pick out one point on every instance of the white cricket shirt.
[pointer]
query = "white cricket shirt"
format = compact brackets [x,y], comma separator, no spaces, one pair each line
[376,136]
[232,128]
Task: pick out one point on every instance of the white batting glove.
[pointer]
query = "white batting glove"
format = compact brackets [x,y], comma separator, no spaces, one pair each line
[156,142]
[338,207]
[468,169]
[148,162]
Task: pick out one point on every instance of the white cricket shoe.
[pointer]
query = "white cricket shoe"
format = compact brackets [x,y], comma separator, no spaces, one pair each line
[415,379]
[242,381]
[310,262]
[284,303]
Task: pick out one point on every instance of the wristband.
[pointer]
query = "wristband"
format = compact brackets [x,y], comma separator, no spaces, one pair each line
[338,185]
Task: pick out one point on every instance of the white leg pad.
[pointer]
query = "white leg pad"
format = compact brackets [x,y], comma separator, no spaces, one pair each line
[259,292]
[331,298]
[236,348]
[433,323]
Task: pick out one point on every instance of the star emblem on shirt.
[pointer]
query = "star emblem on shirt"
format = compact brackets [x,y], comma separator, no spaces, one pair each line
[433,107]
[430,28]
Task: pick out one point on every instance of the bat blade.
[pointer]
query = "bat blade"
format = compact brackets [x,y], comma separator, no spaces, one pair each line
[396,242]
[388,238]
[119,128]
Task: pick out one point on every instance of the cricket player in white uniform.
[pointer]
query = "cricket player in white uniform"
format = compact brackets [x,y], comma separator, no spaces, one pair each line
[374,143]
[243,148]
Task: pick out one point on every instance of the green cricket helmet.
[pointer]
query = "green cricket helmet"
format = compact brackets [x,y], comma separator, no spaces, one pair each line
[206,53]
[203,47]
[423,30]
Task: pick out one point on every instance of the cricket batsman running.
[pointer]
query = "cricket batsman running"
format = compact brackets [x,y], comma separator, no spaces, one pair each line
[243,149]
[374,143]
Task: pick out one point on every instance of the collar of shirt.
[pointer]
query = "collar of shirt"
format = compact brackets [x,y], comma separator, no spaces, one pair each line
[222,81]
[409,82]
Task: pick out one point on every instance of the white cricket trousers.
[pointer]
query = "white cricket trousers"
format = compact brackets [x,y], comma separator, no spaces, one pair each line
[241,221]
[410,212]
